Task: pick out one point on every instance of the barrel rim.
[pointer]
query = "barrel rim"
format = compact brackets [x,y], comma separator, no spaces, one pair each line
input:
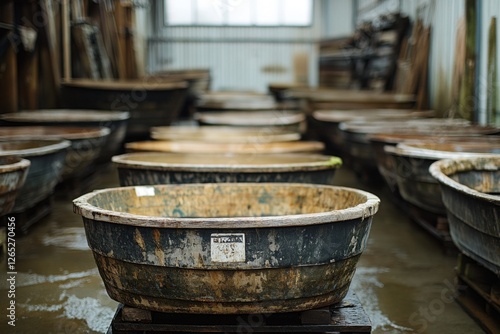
[29,116]
[441,170]
[246,134]
[362,211]
[333,115]
[132,85]
[200,147]
[406,150]
[234,118]
[59,132]
[323,162]
[51,146]
[14,163]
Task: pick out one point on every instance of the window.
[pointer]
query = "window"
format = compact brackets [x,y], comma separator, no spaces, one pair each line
[239,12]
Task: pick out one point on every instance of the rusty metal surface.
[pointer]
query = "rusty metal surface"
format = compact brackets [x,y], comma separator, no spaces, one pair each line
[116,121]
[471,188]
[172,168]
[293,246]
[13,172]
[47,161]
[86,143]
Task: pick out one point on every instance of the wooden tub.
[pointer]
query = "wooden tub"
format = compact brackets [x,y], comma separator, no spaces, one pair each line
[470,190]
[234,100]
[13,172]
[116,121]
[86,144]
[47,162]
[281,119]
[227,248]
[150,101]
[357,136]
[325,123]
[173,168]
[246,148]
[413,159]
[327,99]
[223,134]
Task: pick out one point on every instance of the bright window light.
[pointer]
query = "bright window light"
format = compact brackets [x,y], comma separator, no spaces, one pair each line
[239,12]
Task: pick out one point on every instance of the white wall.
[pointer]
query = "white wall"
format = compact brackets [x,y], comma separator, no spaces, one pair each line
[247,58]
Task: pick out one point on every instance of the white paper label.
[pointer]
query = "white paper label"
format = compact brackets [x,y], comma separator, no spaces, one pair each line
[227,247]
[144,191]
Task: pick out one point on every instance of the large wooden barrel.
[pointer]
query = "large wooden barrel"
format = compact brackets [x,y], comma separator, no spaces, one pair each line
[413,159]
[223,134]
[86,144]
[470,190]
[47,162]
[229,247]
[150,101]
[116,121]
[207,147]
[173,168]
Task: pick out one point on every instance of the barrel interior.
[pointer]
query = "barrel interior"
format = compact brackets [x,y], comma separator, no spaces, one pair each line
[218,201]
[485,181]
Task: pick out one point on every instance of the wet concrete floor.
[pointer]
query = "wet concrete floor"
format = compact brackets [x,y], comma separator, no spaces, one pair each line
[404,279]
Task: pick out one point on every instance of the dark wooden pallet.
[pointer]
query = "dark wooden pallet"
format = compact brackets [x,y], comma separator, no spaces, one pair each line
[479,293]
[345,317]
[436,225]
[30,216]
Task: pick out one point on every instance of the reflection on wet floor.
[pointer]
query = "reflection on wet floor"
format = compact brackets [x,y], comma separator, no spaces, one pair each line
[404,280]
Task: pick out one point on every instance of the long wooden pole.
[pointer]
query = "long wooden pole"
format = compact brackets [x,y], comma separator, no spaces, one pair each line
[66,41]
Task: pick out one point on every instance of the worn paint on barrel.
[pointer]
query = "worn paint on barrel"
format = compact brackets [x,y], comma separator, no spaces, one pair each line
[86,143]
[47,161]
[413,159]
[13,172]
[471,188]
[299,243]
[174,168]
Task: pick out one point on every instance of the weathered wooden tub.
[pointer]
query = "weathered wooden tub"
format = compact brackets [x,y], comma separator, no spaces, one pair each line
[327,98]
[206,147]
[325,123]
[198,81]
[13,172]
[281,119]
[47,162]
[116,121]
[357,136]
[171,168]
[470,188]
[86,144]
[229,247]
[223,134]
[386,162]
[413,159]
[235,100]
[150,101]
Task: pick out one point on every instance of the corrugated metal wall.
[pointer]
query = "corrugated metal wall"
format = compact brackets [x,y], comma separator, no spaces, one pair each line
[242,58]
[489,9]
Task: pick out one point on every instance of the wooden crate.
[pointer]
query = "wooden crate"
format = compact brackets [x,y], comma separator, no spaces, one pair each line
[479,293]
[345,317]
